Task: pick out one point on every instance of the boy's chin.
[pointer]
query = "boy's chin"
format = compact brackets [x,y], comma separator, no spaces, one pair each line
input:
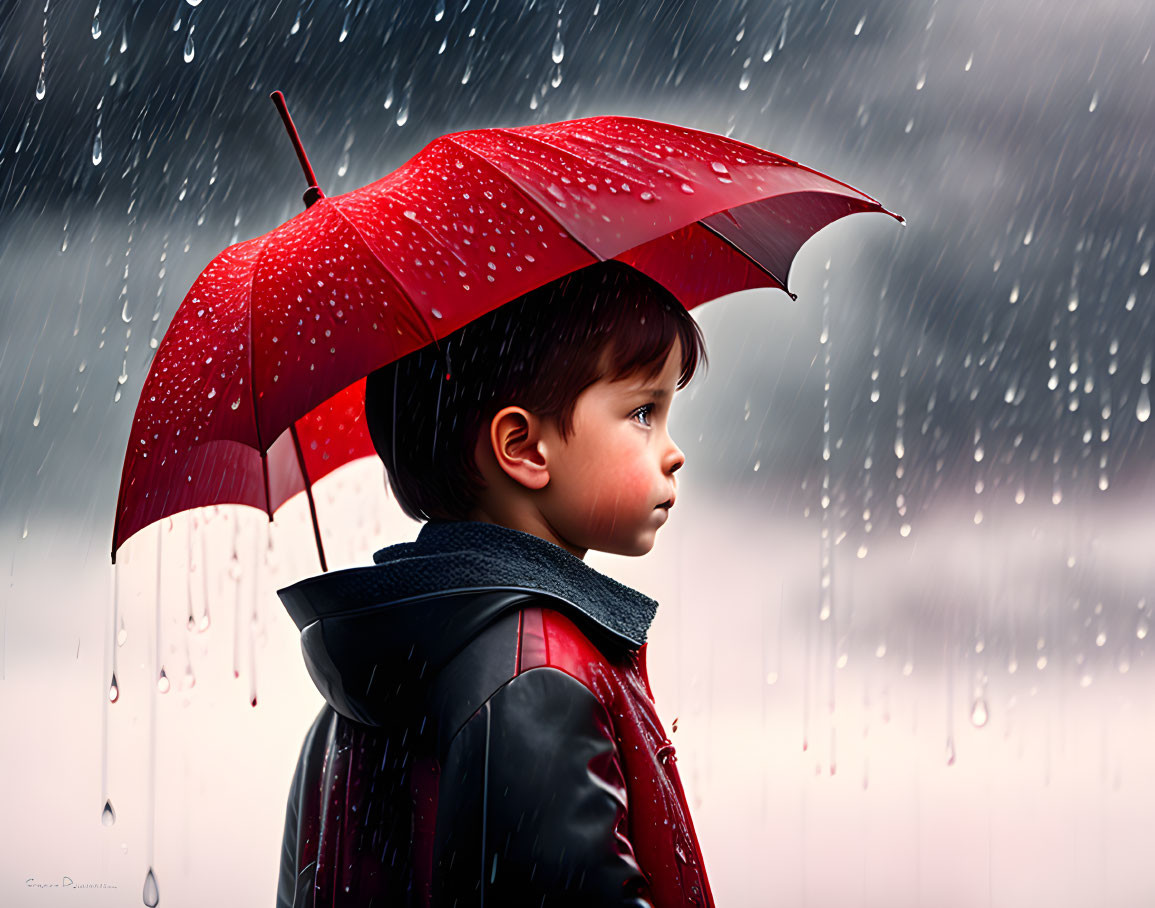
[642,543]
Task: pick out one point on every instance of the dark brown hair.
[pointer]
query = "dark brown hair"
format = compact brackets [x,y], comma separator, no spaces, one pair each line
[538,351]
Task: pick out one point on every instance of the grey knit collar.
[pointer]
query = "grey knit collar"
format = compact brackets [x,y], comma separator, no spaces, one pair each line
[465,553]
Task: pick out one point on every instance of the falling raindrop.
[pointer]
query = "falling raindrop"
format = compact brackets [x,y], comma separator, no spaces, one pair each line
[858,27]
[113,690]
[979,713]
[108,815]
[96,23]
[41,88]
[1143,407]
[403,107]
[189,48]
[97,148]
[440,11]
[558,53]
[162,682]
[151,893]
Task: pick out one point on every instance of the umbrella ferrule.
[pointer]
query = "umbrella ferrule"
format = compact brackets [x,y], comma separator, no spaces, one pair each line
[313,194]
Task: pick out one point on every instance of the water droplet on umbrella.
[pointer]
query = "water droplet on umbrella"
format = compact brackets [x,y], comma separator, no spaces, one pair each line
[108,815]
[151,894]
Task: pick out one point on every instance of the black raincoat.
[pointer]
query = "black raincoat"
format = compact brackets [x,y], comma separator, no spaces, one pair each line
[489,735]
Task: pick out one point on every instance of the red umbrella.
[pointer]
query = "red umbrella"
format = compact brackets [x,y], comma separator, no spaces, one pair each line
[256,390]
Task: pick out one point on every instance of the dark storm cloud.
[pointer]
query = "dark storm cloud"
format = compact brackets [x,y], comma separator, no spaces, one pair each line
[1012,186]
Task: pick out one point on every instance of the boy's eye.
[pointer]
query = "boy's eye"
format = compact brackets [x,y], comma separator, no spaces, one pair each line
[644,411]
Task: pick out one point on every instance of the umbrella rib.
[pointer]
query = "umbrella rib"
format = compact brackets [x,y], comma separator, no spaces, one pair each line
[742,252]
[386,269]
[555,148]
[525,193]
[429,233]
[253,376]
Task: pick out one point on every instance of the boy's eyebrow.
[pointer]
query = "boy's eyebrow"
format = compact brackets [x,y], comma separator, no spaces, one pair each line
[662,393]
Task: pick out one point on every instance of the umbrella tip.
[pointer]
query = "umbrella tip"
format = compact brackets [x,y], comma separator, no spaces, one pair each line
[313,193]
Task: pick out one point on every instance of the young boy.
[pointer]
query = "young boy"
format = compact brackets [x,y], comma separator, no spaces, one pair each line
[490,736]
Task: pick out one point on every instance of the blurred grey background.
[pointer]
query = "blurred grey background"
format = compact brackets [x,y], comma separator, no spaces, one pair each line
[914,527]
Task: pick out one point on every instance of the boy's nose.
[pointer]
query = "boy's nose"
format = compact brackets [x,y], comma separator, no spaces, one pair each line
[674,458]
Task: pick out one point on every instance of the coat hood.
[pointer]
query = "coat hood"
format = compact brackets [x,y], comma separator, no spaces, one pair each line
[373,637]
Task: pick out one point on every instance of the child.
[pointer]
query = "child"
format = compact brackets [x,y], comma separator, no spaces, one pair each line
[489,736]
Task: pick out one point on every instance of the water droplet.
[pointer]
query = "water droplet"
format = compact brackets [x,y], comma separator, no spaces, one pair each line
[979,713]
[440,11]
[151,893]
[113,690]
[41,88]
[1143,408]
[950,751]
[97,149]
[162,682]
[1094,103]
[403,108]
[193,2]
[189,47]
[858,27]
[96,23]
[1141,629]
[296,24]
[558,53]
[108,815]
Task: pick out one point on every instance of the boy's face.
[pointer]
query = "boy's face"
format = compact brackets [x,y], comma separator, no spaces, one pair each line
[609,480]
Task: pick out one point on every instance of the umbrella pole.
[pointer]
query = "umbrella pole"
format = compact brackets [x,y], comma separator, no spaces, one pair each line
[309,495]
[313,193]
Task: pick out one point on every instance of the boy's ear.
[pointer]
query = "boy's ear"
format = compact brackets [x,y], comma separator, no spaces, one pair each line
[516,441]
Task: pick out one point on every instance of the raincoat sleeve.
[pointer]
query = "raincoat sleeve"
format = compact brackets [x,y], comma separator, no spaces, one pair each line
[287,879]
[532,803]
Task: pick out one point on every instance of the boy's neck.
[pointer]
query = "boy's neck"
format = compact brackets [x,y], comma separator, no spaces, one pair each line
[527,520]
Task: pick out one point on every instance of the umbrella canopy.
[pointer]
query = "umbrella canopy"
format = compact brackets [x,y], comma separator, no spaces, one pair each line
[257,388]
